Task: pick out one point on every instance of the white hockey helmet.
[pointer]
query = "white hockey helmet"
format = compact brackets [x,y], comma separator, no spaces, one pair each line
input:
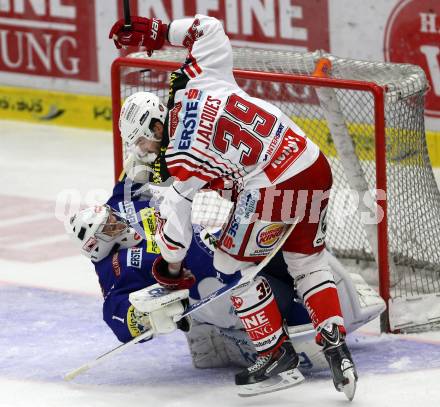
[99,230]
[138,114]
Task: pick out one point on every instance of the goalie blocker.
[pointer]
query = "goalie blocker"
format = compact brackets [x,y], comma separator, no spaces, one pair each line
[161,306]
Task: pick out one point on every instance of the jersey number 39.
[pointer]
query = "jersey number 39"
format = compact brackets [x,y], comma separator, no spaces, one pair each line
[242,127]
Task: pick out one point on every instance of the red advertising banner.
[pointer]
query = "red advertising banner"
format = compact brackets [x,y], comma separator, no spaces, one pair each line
[300,24]
[412,35]
[53,38]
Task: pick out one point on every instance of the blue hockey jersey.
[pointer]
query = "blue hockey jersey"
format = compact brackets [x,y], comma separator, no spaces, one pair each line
[129,270]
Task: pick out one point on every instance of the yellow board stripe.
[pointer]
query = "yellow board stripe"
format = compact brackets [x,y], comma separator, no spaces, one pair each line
[94,112]
[363,134]
[49,107]
[433,141]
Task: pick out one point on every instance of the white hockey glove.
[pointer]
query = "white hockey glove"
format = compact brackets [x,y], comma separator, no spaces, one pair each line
[136,169]
[161,307]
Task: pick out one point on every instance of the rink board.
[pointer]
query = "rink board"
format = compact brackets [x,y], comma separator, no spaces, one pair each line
[94,112]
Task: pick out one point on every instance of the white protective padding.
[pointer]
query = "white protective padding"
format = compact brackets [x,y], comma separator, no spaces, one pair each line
[155,297]
[360,303]
[213,347]
[228,264]
[161,304]
[415,312]
[216,346]
[210,350]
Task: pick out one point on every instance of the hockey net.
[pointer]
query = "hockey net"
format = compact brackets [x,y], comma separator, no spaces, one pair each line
[379,109]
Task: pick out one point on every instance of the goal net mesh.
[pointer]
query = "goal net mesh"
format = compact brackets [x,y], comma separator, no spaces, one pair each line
[413,195]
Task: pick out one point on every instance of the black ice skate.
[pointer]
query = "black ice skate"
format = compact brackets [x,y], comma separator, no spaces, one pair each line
[340,361]
[272,372]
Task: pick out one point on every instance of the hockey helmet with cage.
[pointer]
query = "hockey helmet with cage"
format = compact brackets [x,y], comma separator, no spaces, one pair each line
[138,114]
[100,230]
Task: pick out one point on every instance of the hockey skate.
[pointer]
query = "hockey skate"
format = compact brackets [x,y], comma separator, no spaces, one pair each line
[272,372]
[340,361]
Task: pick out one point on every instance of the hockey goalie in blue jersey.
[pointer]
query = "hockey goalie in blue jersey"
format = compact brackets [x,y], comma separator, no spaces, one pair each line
[118,238]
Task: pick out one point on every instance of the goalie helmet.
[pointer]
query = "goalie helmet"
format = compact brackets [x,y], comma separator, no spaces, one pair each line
[138,114]
[99,230]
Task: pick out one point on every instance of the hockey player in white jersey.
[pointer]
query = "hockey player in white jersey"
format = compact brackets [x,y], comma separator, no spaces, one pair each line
[122,261]
[219,135]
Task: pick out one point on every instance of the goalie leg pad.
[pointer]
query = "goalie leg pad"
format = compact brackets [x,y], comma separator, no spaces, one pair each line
[258,311]
[213,347]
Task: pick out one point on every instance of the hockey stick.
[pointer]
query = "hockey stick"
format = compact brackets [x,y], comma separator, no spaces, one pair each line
[250,274]
[84,368]
[127,16]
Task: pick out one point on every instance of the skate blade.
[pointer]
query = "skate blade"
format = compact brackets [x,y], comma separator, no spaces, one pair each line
[281,381]
[349,389]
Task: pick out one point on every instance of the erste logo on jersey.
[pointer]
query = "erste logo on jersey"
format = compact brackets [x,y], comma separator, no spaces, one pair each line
[128,210]
[188,119]
[412,35]
[134,257]
[269,235]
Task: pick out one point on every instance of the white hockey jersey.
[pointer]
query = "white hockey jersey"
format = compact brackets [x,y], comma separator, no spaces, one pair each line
[220,133]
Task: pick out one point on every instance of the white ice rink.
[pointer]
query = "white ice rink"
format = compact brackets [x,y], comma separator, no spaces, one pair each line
[50,306]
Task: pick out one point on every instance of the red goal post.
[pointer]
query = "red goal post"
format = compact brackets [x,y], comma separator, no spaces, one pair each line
[355,98]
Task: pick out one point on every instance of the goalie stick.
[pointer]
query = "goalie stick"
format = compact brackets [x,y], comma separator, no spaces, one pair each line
[84,368]
[250,274]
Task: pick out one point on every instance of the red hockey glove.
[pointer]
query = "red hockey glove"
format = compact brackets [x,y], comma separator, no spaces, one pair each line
[147,32]
[185,279]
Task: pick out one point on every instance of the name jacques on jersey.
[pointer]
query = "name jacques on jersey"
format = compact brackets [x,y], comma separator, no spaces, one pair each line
[191,118]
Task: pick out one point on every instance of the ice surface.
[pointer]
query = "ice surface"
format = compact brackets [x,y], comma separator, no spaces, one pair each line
[50,307]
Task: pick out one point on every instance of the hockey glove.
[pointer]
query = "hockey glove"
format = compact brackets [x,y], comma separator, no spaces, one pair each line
[185,279]
[147,32]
